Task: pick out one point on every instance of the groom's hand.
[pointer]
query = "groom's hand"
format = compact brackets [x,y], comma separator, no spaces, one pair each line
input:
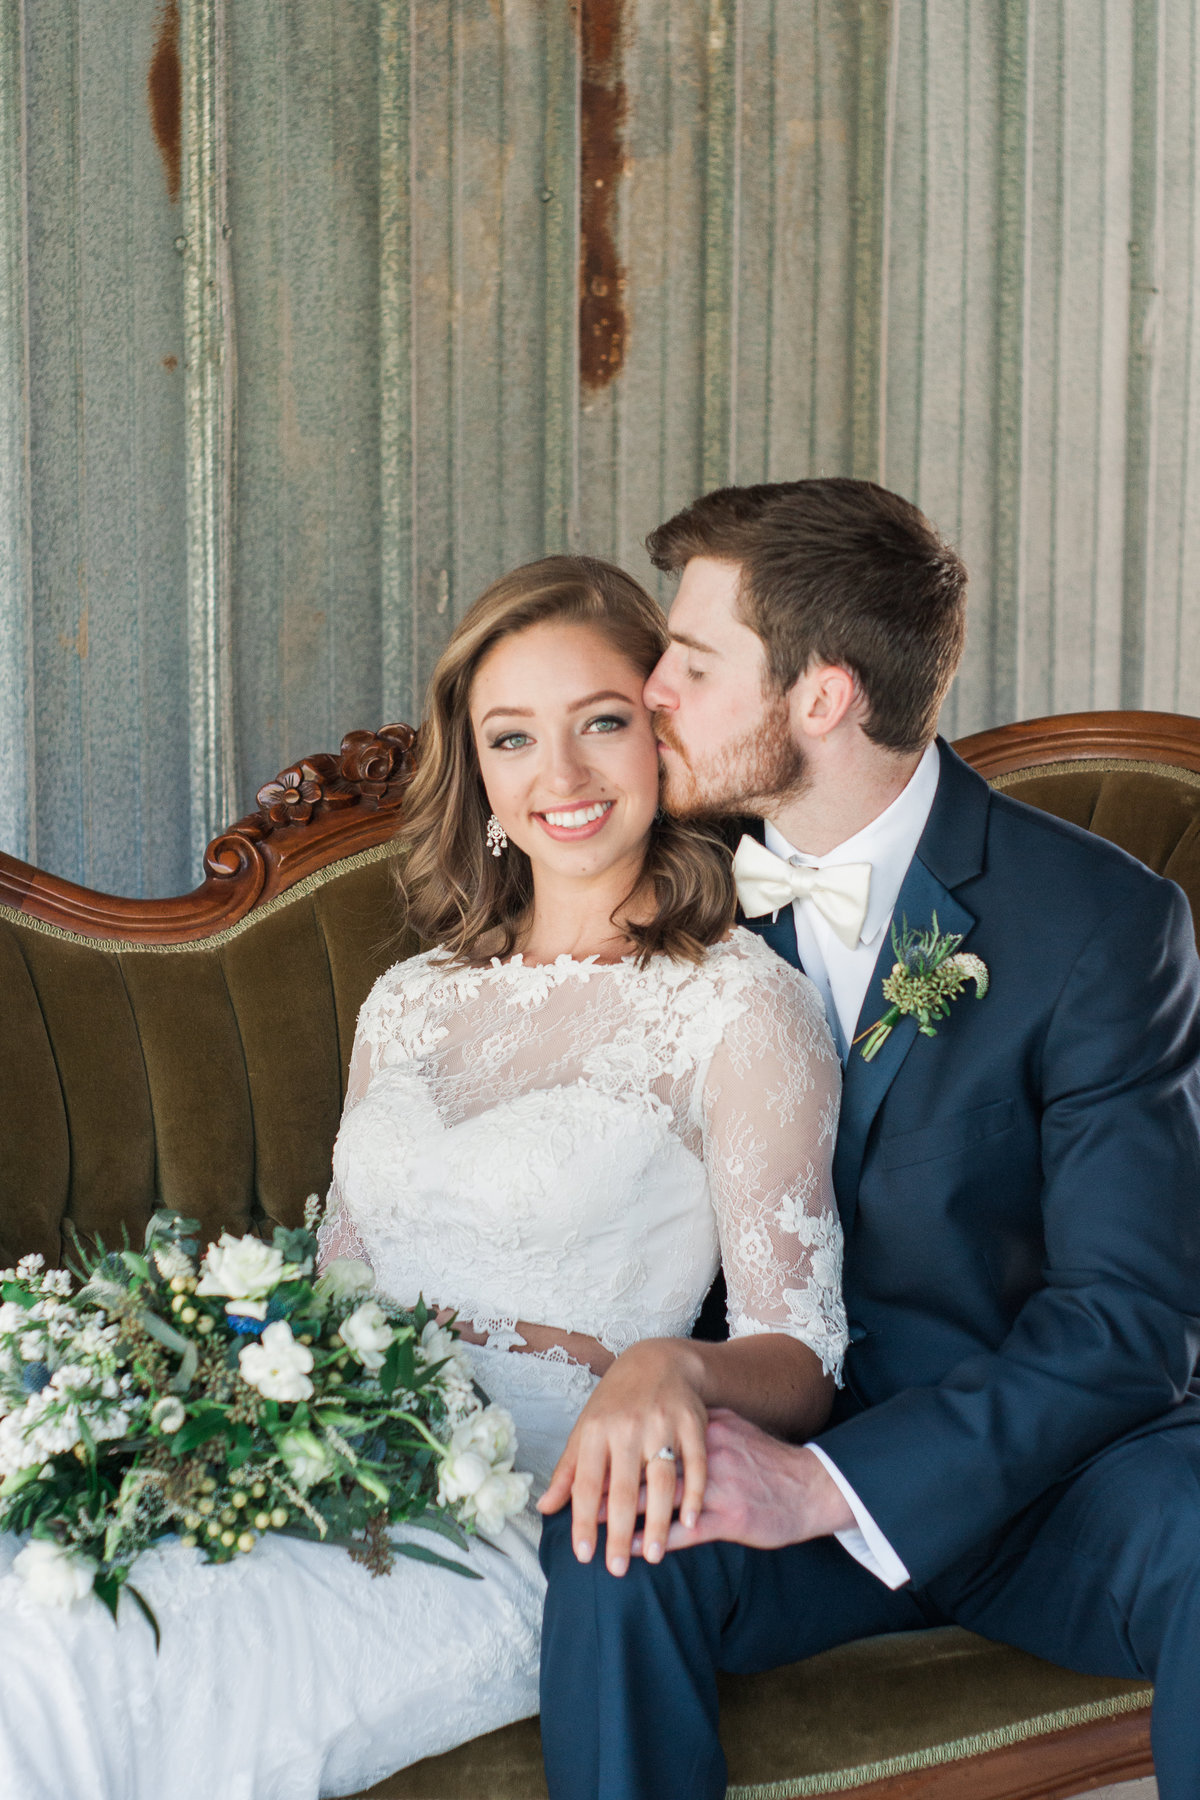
[760,1491]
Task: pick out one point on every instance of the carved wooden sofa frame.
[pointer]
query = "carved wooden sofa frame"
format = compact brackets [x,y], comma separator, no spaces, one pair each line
[303,886]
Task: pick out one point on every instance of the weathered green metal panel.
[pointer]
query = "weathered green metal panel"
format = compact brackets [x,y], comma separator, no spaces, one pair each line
[105,399]
[308,333]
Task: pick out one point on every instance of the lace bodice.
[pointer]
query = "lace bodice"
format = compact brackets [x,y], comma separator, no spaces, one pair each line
[578,1144]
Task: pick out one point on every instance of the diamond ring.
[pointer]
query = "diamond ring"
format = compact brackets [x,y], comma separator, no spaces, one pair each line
[666,1454]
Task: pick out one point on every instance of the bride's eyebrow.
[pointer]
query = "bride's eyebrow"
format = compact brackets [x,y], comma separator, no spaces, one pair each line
[526,712]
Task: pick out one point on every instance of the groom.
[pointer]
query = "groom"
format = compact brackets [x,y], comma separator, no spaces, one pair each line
[1016,1447]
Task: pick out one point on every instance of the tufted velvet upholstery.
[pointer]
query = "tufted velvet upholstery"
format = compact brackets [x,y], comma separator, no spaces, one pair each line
[205,1076]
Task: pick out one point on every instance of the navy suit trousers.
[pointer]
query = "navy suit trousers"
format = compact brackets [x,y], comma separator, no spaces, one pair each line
[1101,1574]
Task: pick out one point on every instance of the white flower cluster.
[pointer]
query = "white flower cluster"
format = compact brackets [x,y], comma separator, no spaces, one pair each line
[438,1345]
[55,1374]
[50,1422]
[477,1477]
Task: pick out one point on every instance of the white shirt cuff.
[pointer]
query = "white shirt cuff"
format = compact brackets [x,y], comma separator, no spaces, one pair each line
[863,1540]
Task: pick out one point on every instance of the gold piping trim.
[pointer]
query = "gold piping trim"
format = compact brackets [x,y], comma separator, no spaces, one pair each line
[998,1739]
[1101,765]
[216,939]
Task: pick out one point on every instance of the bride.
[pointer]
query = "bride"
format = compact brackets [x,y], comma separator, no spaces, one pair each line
[589,1091]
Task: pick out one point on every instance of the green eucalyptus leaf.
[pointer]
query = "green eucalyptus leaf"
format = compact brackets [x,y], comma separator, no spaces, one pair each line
[107,1587]
[212,1422]
[147,1611]
[421,1553]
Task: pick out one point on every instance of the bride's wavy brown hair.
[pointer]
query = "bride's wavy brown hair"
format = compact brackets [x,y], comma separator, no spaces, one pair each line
[458,895]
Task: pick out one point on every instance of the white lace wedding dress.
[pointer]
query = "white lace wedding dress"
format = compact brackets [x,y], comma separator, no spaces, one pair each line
[576,1145]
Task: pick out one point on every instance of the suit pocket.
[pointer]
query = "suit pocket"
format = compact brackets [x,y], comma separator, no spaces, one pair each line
[960,1132]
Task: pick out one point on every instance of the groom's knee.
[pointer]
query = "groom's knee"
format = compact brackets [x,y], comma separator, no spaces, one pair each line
[698,1585]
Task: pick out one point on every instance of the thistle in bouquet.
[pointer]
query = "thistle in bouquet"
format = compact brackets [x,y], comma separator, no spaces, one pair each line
[225,1396]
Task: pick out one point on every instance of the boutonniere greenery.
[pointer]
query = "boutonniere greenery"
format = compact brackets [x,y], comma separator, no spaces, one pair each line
[929,972]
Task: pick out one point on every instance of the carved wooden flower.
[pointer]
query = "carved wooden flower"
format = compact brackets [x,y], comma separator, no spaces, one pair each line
[368,761]
[290,798]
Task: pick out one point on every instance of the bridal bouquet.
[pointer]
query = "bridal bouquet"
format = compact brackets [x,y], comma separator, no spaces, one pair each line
[225,1396]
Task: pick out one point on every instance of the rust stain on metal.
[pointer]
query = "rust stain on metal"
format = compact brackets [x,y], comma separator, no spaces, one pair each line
[602,322]
[170,362]
[164,88]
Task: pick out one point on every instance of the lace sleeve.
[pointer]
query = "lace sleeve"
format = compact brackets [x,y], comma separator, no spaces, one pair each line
[769,1114]
[336,1235]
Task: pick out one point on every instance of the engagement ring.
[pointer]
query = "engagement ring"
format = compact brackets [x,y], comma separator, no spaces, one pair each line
[666,1454]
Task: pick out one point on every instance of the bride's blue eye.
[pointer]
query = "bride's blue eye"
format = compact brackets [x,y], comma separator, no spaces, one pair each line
[510,740]
[607,722]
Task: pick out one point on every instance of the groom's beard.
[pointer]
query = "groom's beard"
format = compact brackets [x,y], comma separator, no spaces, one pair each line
[752,775]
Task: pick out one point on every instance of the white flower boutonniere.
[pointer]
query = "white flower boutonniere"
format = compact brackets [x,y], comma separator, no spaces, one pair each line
[929,972]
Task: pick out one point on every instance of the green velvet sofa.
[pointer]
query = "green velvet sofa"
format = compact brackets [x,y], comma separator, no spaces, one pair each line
[193,1051]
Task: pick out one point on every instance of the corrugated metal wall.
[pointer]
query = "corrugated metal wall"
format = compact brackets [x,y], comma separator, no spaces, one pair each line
[316,314]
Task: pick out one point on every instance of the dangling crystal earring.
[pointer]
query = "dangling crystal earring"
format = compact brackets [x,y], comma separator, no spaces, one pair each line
[497,838]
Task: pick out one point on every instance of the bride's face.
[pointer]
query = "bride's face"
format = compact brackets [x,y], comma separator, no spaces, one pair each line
[566,748]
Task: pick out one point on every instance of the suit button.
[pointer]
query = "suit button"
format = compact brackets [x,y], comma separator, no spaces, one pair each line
[857,1332]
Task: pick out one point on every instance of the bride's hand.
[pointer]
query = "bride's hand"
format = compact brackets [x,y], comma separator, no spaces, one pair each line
[649,1400]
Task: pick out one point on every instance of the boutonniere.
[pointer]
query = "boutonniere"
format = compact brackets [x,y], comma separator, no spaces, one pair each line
[929,972]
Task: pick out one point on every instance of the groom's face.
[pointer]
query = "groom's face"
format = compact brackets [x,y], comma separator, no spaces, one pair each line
[724,732]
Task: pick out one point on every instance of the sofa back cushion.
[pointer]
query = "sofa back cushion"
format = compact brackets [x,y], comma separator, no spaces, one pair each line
[206,1076]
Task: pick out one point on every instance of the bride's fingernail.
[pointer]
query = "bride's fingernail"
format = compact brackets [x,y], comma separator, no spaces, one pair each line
[654,1553]
[617,1566]
[583,1552]
[689,1519]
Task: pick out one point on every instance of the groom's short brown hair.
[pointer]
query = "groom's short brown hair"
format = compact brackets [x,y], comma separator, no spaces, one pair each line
[838,571]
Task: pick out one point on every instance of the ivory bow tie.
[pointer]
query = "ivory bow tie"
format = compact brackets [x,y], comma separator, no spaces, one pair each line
[765,883]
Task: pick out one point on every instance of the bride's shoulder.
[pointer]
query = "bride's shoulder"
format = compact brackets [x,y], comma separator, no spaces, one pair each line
[745,961]
[413,978]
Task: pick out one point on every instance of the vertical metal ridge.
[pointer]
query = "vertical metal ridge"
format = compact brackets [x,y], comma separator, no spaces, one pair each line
[719,239]
[18,819]
[210,375]
[877,60]
[395,360]
[1146,252]
[560,193]
[1187,545]
[1061,405]
[1012,303]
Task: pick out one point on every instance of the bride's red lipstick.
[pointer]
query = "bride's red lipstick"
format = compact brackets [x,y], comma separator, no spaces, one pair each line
[574,834]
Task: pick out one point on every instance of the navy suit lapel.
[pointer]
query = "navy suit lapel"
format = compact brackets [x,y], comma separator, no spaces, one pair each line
[950,852]
[864,1084]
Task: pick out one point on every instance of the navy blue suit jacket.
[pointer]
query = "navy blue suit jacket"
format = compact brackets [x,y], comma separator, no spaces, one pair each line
[1020,1194]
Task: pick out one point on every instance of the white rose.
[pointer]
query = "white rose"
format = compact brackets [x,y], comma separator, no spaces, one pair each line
[492,1433]
[343,1278]
[367,1333]
[53,1575]
[279,1366]
[12,1317]
[244,1268]
[462,1475]
[439,1345]
[307,1459]
[501,1495]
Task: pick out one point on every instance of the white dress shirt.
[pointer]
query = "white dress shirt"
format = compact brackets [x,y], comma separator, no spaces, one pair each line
[842,978]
